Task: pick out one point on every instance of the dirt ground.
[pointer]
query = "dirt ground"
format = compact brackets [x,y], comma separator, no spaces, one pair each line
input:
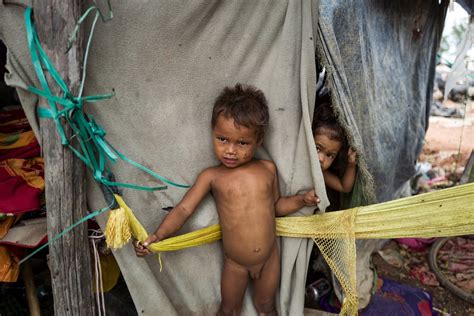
[449,135]
[449,142]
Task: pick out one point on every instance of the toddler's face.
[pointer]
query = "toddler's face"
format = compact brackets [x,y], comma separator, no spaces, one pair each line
[233,146]
[327,149]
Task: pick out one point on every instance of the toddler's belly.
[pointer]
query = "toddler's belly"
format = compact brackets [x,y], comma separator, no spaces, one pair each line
[249,250]
[256,269]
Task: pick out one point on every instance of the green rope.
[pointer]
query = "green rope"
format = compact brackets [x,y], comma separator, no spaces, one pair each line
[65,231]
[96,153]
[112,203]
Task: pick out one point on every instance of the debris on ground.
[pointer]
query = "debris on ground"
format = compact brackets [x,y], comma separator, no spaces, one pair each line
[456,261]
[411,267]
[438,170]
[438,109]
[448,149]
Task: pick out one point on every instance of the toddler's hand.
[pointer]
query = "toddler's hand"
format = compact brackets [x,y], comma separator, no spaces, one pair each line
[351,157]
[141,249]
[311,199]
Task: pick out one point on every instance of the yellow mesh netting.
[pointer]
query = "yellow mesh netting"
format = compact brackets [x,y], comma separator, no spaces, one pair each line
[448,212]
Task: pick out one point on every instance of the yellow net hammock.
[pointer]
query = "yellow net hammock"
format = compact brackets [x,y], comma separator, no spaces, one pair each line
[443,213]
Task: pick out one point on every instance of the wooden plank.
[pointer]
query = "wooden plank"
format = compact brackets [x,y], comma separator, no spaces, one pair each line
[69,257]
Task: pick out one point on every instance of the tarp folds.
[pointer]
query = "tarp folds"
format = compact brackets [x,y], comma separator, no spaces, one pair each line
[381,58]
[167,61]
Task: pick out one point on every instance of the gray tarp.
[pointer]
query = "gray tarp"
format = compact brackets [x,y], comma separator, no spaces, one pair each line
[167,60]
[381,59]
[381,55]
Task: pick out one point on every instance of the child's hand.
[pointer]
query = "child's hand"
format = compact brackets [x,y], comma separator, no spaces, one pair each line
[351,157]
[311,199]
[141,249]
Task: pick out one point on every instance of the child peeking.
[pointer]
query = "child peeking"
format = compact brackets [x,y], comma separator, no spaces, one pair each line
[331,144]
[247,197]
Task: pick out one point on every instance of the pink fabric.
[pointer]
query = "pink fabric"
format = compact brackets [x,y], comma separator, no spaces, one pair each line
[418,244]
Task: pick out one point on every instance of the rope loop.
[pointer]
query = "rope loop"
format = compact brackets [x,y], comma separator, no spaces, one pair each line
[97,129]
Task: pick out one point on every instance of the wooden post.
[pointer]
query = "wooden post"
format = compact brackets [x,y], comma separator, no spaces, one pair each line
[69,256]
[31,296]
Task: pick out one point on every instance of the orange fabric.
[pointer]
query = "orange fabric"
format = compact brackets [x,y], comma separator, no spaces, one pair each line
[5,225]
[31,170]
[11,141]
[9,268]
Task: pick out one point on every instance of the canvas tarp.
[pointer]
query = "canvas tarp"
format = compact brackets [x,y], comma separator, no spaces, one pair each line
[167,61]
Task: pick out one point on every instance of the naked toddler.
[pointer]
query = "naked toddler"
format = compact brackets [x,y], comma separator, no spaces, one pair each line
[247,198]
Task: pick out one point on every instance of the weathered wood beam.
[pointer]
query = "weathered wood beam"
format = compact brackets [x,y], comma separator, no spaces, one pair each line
[69,256]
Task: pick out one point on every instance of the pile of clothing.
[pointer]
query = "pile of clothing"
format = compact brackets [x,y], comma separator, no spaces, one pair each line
[22,212]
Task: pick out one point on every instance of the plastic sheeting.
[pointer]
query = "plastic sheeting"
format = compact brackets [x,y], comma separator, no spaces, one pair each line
[381,58]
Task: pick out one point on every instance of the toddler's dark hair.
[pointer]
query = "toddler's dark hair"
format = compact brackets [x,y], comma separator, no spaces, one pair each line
[246,105]
[326,123]
[324,118]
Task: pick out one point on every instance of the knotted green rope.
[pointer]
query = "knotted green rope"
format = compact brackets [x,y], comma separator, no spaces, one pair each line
[95,151]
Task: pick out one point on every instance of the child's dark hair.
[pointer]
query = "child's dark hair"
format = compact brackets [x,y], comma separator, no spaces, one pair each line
[325,122]
[325,119]
[246,105]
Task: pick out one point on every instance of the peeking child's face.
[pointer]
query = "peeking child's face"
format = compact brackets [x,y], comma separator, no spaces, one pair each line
[233,145]
[327,147]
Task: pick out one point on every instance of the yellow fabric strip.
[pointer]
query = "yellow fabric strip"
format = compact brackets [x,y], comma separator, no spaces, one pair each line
[443,213]
[196,238]
[448,212]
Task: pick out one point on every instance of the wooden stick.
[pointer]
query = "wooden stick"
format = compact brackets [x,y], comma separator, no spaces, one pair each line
[31,296]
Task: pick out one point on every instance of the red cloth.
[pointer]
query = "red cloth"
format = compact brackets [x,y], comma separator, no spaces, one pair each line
[30,150]
[13,121]
[16,137]
[21,185]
